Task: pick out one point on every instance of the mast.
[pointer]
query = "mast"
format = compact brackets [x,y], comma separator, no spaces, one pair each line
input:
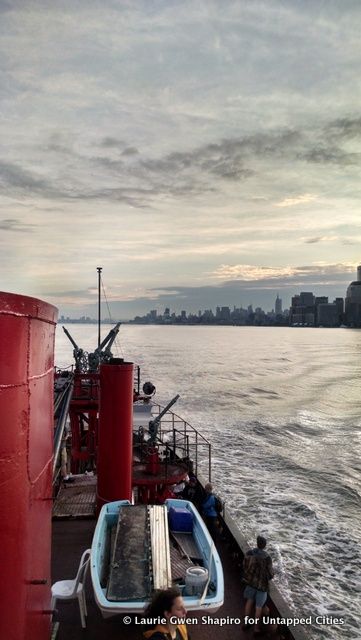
[99,270]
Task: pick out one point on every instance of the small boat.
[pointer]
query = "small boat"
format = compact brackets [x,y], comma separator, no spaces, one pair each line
[139,548]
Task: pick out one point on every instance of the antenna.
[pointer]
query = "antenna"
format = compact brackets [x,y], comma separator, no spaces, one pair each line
[99,270]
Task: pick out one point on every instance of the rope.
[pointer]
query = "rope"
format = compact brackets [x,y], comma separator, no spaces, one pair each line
[106,300]
[116,344]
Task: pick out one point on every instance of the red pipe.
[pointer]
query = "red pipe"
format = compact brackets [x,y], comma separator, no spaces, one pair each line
[115,437]
[27,330]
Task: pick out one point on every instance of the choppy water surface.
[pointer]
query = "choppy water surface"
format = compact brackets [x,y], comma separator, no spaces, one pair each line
[282,409]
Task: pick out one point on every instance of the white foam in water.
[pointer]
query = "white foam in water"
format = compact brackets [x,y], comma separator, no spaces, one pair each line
[285,404]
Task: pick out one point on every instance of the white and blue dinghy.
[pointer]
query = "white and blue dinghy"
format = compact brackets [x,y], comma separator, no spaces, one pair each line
[139,548]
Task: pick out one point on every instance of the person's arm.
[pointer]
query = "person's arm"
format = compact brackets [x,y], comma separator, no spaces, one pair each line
[246,560]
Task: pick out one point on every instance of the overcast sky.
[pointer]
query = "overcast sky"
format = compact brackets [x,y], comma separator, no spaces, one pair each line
[202,152]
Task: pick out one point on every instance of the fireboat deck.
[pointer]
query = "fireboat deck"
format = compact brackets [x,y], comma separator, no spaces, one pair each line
[72,537]
[76,499]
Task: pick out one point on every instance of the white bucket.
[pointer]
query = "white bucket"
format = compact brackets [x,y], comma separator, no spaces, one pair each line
[196,579]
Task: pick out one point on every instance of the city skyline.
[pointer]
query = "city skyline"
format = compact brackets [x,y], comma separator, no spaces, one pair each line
[199,152]
[234,294]
[307,309]
[221,312]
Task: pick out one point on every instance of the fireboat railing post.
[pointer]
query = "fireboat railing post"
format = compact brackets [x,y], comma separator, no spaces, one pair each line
[196,456]
[99,270]
[209,463]
[138,379]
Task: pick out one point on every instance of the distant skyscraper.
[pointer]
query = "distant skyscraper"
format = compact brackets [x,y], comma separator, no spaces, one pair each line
[225,314]
[278,306]
[327,314]
[353,301]
[303,309]
[307,298]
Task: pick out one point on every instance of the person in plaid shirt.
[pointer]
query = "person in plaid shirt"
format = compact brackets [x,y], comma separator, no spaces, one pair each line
[258,572]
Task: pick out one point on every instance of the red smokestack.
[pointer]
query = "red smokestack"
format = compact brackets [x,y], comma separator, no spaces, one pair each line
[27,329]
[115,449]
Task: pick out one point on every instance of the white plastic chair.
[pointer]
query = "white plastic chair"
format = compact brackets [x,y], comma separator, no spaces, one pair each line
[71,589]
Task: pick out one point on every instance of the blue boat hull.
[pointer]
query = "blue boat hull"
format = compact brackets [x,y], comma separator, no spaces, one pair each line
[210,560]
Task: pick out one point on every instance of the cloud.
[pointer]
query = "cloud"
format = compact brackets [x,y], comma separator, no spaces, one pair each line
[111,143]
[17,180]
[291,202]
[137,179]
[119,145]
[130,151]
[253,274]
[347,128]
[318,239]
[12,224]
[5,6]
[331,155]
[174,137]
[315,240]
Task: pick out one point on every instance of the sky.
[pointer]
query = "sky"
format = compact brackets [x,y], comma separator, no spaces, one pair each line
[202,152]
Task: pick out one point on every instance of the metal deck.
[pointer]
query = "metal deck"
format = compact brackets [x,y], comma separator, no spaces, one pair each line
[71,537]
[76,499]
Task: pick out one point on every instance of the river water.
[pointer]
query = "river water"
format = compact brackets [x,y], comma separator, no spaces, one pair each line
[282,409]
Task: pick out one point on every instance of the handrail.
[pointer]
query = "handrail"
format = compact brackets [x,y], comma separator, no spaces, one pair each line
[190,439]
[63,408]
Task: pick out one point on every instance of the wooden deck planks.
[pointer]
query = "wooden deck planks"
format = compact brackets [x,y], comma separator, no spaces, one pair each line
[159,536]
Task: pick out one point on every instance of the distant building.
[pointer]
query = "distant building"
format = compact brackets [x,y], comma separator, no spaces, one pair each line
[318,301]
[225,314]
[259,316]
[278,306]
[339,302]
[307,298]
[327,315]
[208,315]
[303,309]
[353,301]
